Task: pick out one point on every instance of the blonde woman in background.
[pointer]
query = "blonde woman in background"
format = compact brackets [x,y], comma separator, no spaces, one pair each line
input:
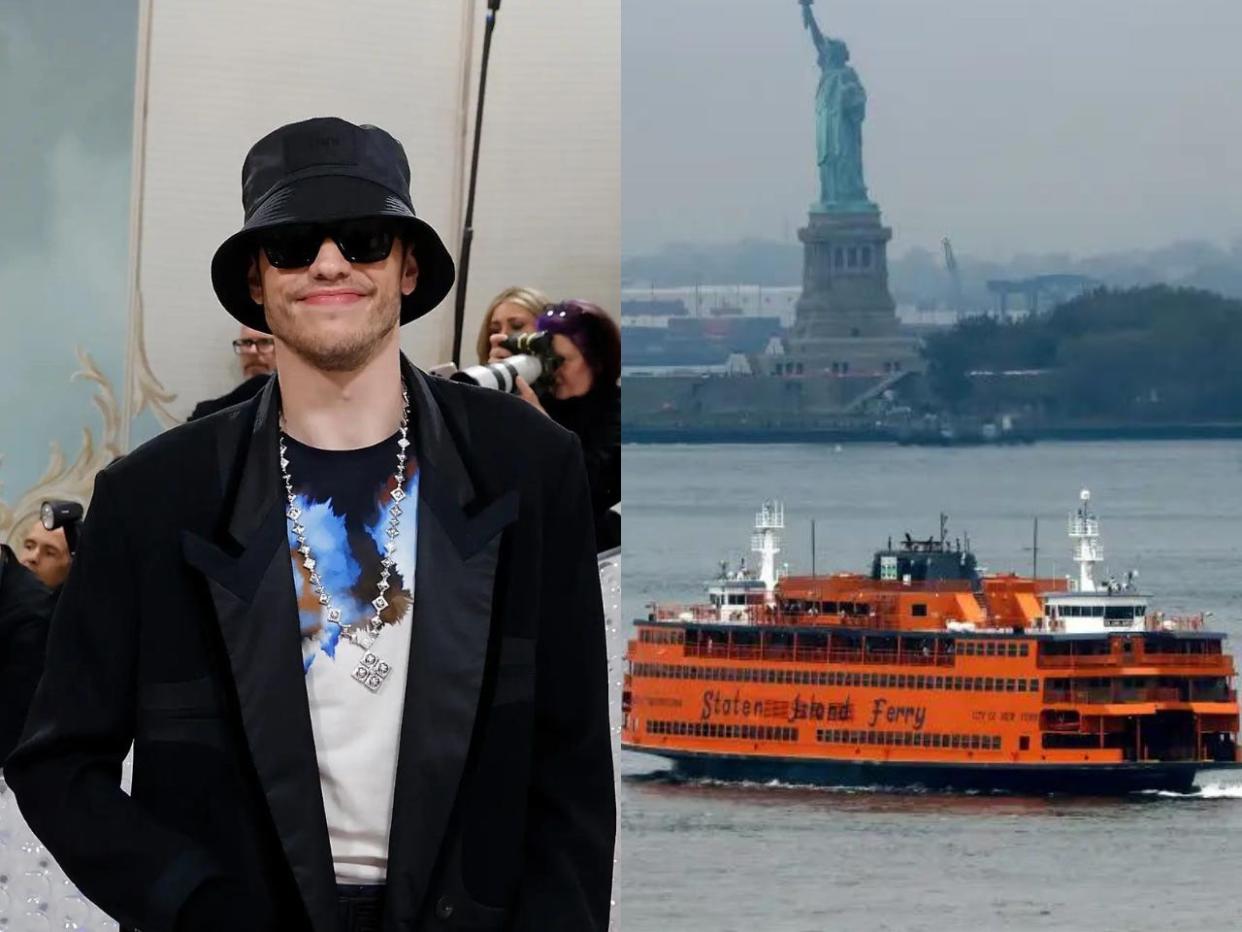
[514,310]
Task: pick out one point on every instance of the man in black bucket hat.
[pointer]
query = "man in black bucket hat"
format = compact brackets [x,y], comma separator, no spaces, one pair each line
[352,626]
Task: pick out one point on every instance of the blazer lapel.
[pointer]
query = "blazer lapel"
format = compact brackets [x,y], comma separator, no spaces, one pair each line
[458,550]
[251,584]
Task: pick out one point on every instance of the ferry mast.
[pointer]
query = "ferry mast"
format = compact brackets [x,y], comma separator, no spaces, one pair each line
[1084,530]
[766,542]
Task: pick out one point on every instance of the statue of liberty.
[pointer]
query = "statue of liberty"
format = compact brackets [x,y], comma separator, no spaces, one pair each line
[840,107]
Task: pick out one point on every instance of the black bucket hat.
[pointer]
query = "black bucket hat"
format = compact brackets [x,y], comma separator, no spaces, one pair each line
[322,170]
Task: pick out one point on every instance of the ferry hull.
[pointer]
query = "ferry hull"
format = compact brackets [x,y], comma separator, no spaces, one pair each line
[1034,779]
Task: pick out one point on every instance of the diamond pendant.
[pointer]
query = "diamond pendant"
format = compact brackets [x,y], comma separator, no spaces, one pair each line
[371,672]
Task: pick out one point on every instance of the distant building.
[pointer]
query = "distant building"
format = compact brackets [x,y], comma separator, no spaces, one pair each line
[697,341]
[709,300]
[653,307]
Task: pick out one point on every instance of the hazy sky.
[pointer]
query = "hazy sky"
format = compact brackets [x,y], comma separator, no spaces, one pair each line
[1009,125]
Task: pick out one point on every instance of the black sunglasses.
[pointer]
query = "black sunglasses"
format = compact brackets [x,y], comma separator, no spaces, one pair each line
[296,246]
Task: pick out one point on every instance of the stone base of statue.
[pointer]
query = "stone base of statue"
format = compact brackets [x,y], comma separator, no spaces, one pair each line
[846,320]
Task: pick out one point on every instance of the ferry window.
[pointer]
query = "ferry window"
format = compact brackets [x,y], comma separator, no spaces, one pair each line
[974,742]
[955,741]
[987,684]
[939,682]
[968,684]
[829,608]
[990,649]
[978,684]
[1011,649]
[1009,685]
[1140,611]
[919,610]
[1024,743]
[1021,686]
[1034,687]
[918,739]
[1024,649]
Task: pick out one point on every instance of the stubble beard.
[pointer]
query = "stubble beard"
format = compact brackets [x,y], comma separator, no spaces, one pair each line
[342,354]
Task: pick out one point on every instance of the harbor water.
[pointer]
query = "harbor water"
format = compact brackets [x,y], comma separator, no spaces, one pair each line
[699,857]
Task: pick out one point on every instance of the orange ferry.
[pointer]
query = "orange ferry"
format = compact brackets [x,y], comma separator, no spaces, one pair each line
[929,673]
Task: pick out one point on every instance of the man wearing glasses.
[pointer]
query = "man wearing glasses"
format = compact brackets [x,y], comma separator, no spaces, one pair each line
[352,627]
[256,351]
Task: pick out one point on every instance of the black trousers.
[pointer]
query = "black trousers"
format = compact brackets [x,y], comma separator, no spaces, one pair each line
[361,907]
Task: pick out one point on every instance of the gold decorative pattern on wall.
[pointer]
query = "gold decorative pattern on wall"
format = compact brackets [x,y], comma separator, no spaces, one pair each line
[73,481]
[146,390]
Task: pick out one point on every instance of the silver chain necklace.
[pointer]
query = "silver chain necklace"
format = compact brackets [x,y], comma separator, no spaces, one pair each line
[371,671]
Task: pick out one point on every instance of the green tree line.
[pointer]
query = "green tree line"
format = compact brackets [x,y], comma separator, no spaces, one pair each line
[1153,354]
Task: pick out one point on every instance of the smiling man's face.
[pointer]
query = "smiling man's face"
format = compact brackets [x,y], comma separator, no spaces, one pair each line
[334,313]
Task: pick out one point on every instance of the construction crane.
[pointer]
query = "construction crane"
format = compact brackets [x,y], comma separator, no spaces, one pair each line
[955,278]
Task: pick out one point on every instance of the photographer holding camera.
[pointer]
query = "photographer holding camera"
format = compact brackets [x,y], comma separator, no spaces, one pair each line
[29,587]
[514,310]
[25,610]
[582,395]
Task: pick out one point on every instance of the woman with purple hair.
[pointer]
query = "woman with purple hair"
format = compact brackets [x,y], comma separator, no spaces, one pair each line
[584,396]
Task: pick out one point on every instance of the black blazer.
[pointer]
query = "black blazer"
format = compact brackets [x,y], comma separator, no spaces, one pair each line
[25,609]
[177,630]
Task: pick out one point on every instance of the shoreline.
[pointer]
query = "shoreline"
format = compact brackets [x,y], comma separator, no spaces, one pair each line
[635,434]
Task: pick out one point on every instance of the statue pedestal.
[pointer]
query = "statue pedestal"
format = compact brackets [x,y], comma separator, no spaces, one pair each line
[846,319]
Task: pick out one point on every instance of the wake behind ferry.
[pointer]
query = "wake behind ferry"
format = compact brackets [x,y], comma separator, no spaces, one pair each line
[929,673]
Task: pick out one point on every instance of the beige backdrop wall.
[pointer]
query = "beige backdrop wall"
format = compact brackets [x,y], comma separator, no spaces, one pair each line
[222,74]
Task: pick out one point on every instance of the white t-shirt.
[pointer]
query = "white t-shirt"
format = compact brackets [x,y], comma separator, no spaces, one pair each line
[345,505]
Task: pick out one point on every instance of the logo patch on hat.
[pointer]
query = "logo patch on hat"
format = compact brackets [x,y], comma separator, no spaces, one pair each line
[317,145]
